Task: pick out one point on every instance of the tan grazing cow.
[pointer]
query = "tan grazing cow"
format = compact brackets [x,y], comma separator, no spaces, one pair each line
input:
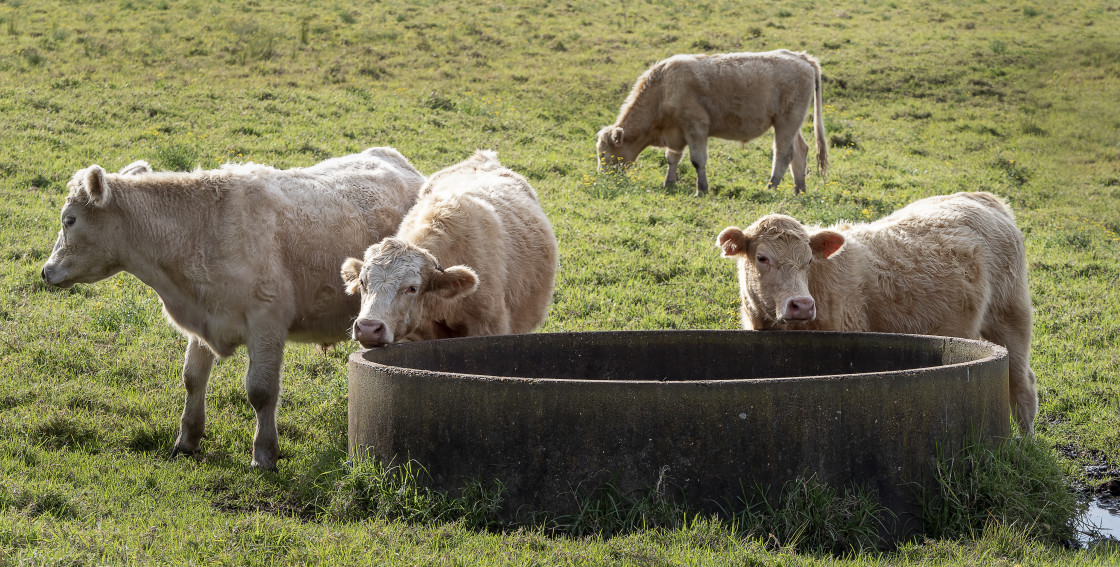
[484,223]
[685,99]
[242,255]
[951,265]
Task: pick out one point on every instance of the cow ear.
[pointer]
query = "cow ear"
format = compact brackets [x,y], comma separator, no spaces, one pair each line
[136,168]
[732,241]
[351,272]
[454,281]
[616,136]
[95,187]
[825,243]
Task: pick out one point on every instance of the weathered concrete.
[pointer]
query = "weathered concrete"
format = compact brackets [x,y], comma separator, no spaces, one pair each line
[549,413]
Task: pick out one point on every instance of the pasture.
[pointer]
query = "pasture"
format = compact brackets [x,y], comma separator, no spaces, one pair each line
[920,99]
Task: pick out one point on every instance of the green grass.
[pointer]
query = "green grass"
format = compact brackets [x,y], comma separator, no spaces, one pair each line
[921,99]
[1017,484]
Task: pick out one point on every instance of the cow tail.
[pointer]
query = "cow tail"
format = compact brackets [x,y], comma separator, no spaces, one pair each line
[818,125]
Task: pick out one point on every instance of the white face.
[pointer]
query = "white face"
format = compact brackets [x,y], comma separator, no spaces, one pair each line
[398,282]
[775,255]
[609,152]
[777,274]
[81,252]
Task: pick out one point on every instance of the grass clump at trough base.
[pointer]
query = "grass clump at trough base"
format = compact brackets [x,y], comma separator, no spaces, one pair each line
[369,489]
[1014,494]
[810,516]
[1020,484]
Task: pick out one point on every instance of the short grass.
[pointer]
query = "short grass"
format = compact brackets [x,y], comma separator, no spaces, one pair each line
[921,99]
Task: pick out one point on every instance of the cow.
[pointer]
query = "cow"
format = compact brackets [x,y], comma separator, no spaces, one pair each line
[951,265]
[685,99]
[484,223]
[241,255]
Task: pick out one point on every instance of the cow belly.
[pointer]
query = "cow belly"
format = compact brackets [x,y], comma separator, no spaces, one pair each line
[739,131]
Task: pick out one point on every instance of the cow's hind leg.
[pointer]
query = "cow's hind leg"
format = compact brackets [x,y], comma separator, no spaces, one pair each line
[196,374]
[797,166]
[784,135]
[673,156]
[262,385]
[1013,330]
[698,155]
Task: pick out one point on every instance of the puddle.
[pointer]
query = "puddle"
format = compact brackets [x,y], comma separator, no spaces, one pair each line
[1101,521]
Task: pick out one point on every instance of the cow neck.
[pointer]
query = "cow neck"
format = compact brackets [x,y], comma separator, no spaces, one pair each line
[838,287]
[163,226]
[638,119]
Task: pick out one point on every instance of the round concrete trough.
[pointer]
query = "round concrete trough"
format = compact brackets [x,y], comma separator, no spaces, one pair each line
[551,415]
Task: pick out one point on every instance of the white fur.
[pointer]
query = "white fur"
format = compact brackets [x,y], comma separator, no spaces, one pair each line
[242,255]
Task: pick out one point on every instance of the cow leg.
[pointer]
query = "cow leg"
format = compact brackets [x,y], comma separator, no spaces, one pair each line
[262,386]
[673,156]
[196,374]
[698,154]
[797,166]
[1013,331]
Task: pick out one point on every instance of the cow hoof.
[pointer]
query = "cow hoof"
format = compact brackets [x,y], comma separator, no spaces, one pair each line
[259,465]
[176,451]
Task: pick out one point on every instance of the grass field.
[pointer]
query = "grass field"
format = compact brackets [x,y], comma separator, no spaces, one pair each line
[921,99]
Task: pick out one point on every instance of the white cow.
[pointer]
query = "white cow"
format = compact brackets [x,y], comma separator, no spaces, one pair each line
[242,255]
[685,99]
[484,222]
[950,265]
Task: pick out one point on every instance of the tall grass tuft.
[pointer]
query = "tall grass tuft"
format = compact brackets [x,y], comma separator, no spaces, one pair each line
[811,516]
[1020,484]
[607,511]
[368,488]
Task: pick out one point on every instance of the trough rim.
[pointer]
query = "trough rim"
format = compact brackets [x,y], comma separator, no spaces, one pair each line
[997,352]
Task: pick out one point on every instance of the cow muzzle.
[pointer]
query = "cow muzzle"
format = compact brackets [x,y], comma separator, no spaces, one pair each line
[371,333]
[800,309]
[52,276]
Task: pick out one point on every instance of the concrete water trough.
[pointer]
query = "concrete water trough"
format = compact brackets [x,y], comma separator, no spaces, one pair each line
[551,415]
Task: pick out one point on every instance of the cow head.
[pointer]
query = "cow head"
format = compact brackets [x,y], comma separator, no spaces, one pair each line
[774,255]
[612,149]
[84,251]
[400,284]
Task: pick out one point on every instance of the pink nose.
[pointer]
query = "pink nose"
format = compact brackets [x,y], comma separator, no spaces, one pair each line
[800,309]
[370,332]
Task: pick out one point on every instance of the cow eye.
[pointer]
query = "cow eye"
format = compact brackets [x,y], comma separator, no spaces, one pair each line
[762,259]
[69,221]
[411,289]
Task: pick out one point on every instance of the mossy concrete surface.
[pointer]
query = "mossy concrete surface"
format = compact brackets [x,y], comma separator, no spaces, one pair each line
[705,416]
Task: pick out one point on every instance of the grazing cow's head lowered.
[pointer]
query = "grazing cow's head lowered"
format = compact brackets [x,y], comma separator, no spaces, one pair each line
[613,150]
[399,283]
[83,252]
[774,255]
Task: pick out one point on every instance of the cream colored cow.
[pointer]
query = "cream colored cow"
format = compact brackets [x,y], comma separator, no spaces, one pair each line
[951,265]
[685,99]
[484,223]
[242,255]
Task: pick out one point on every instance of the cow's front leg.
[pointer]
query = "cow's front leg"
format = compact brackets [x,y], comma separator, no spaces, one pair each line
[262,385]
[673,156]
[698,154]
[196,374]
